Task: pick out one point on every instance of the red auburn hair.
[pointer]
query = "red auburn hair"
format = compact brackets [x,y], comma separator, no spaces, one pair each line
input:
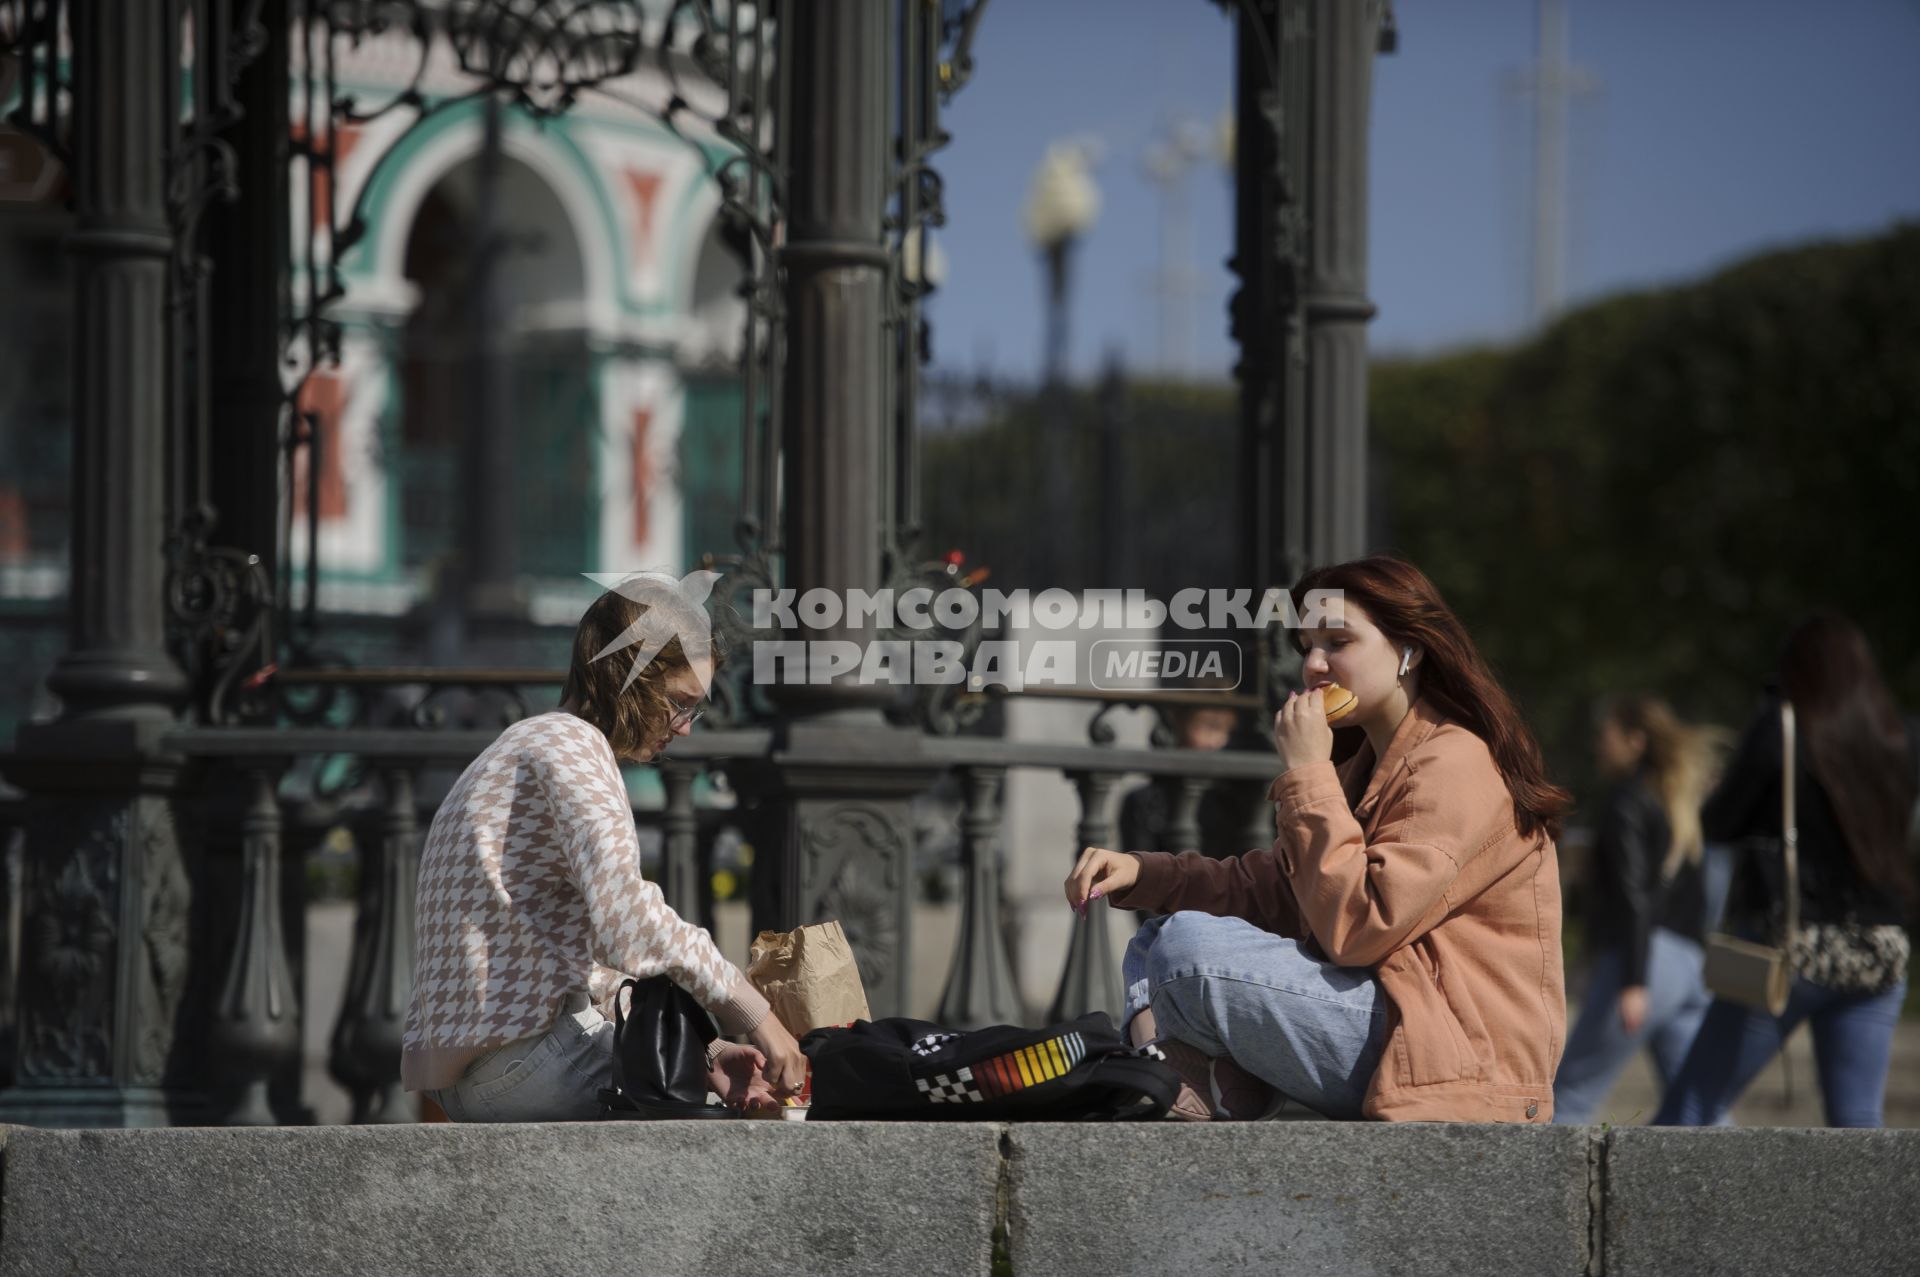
[1855,744]
[1398,597]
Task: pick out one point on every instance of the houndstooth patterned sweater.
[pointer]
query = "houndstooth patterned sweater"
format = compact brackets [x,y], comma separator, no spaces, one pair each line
[530,889]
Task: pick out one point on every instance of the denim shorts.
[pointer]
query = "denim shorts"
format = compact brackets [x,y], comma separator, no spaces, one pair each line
[554,1076]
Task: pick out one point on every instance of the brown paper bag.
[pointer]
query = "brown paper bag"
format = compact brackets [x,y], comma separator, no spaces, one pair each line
[809,977]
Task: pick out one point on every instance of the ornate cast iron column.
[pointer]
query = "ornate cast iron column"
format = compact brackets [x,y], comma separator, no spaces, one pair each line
[835,795]
[1304,84]
[1345,37]
[105,955]
[836,263]
[116,665]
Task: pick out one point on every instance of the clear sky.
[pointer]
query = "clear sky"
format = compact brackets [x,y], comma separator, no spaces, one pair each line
[1715,129]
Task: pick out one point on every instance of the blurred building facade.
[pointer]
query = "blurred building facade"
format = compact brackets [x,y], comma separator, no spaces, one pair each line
[622,327]
[614,306]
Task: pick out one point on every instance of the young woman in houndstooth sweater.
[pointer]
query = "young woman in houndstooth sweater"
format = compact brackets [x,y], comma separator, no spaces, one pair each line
[532,908]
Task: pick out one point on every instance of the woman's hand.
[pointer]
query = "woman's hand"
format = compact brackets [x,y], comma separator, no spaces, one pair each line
[735,1078]
[1633,1007]
[785,1069]
[1100,873]
[1300,731]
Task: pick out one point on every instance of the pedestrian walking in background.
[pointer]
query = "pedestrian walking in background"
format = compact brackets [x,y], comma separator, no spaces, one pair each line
[1646,920]
[1854,787]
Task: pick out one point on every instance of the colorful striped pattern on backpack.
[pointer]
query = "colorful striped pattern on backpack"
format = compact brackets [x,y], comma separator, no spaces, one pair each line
[1029,1066]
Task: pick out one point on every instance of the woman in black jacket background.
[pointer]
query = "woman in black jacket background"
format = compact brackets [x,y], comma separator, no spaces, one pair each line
[1854,788]
[1646,915]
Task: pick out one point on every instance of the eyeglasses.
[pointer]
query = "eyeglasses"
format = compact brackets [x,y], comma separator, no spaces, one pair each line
[684,715]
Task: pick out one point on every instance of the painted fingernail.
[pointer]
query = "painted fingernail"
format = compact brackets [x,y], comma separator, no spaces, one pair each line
[1097,893]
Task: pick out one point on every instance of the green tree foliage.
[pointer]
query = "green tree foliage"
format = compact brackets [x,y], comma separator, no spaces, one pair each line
[1645,496]
[1650,493]
[1107,487]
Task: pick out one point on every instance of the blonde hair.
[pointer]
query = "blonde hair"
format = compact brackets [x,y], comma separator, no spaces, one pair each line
[1683,762]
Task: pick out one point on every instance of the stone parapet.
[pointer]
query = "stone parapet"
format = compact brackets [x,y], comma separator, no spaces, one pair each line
[976,1198]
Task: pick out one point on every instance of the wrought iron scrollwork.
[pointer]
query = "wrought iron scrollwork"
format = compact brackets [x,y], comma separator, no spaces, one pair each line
[720,83]
[220,621]
[201,166]
[961,21]
[733,700]
[943,709]
[33,63]
[1267,312]
[219,599]
[935,60]
[545,54]
[737,53]
[1264,27]
[723,83]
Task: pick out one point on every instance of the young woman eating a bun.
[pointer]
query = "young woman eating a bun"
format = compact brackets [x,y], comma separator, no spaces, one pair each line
[1396,953]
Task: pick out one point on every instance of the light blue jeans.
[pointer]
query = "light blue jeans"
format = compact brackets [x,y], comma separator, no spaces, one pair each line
[1852,1052]
[554,1076]
[1599,1047]
[1312,1030]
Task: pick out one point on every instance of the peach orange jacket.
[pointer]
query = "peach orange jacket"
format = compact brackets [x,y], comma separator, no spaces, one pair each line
[1414,868]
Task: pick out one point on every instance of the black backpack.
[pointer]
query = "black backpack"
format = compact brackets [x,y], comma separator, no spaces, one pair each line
[660,1055]
[911,1070]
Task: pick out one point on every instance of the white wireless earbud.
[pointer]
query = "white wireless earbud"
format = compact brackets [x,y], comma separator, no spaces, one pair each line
[1406,660]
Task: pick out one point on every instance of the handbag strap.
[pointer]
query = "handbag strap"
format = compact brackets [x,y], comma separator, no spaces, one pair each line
[1789,827]
[620,1011]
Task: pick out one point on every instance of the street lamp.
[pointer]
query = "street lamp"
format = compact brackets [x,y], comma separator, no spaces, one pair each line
[1062,204]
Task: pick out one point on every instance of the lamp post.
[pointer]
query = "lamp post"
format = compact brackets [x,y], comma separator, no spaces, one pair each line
[1062,204]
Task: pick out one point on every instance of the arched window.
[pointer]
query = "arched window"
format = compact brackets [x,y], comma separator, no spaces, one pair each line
[514,344]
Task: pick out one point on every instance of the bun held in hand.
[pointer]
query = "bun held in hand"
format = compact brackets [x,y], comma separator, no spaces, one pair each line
[1339,702]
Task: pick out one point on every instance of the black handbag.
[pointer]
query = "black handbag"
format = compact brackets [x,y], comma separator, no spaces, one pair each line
[910,1070]
[660,1054]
